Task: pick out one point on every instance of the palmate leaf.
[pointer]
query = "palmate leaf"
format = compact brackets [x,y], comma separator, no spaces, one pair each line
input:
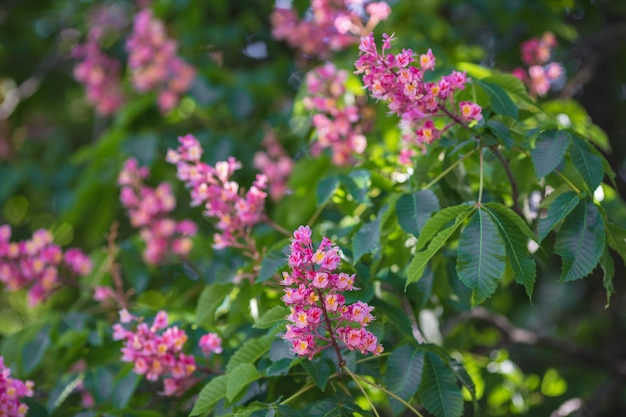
[275,259]
[414,210]
[318,370]
[586,161]
[501,103]
[421,259]
[439,391]
[366,239]
[209,396]
[550,147]
[514,232]
[239,378]
[558,210]
[404,375]
[480,256]
[581,241]
[272,316]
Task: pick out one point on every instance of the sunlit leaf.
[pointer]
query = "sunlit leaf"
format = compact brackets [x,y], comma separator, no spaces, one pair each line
[210,395]
[239,378]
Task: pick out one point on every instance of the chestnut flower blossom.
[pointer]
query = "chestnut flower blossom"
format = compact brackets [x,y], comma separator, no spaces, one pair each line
[275,164]
[337,123]
[237,210]
[392,78]
[149,209]
[12,390]
[320,317]
[541,74]
[156,351]
[329,25]
[35,264]
[153,61]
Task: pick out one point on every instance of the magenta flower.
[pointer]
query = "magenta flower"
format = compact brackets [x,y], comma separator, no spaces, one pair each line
[319,316]
[275,164]
[12,390]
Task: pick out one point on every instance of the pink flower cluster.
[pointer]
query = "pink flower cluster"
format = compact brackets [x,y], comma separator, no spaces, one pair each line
[542,74]
[336,122]
[275,164]
[236,210]
[319,315]
[154,63]
[148,209]
[11,391]
[156,351]
[35,263]
[391,78]
[99,72]
[210,343]
[330,25]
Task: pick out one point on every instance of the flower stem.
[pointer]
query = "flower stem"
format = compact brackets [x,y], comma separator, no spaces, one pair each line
[447,170]
[340,361]
[480,185]
[391,394]
[354,378]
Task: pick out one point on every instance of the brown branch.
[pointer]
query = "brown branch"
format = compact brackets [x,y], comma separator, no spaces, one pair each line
[509,174]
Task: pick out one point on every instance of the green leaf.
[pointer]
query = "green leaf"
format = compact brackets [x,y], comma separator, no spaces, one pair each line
[616,238]
[318,370]
[516,244]
[501,103]
[421,259]
[404,375]
[414,210]
[586,161]
[509,82]
[210,395]
[272,316]
[326,189]
[550,147]
[239,378]
[480,259]
[608,269]
[358,184]
[275,259]
[439,391]
[558,210]
[501,131]
[367,238]
[396,315]
[464,378]
[33,351]
[210,299]
[581,241]
[249,352]
[439,220]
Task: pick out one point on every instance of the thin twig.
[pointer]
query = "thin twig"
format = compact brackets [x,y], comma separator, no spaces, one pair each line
[509,173]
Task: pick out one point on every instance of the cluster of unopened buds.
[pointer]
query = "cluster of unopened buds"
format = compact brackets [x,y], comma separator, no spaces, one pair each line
[330,25]
[335,120]
[157,351]
[320,317]
[35,263]
[99,72]
[212,186]
[148,209]
[12,390]
[393,79]
[542,74]
[154,63]
[275,164]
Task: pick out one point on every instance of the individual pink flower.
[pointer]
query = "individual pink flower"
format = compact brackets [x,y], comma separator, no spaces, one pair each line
[319,315]
[210,343]
[236,210]
[153,61]
[149,210]
[156,351]
[542,75]
[12,390]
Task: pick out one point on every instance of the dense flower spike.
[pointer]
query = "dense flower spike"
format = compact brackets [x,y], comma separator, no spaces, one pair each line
[154,63]
[149,209]
[156,351]
[319,316]
[336,122]
[330,25]
[98,72]
[542,74]
[11,391]
[236,210]
[35,263]
[393,79]
[275,164]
